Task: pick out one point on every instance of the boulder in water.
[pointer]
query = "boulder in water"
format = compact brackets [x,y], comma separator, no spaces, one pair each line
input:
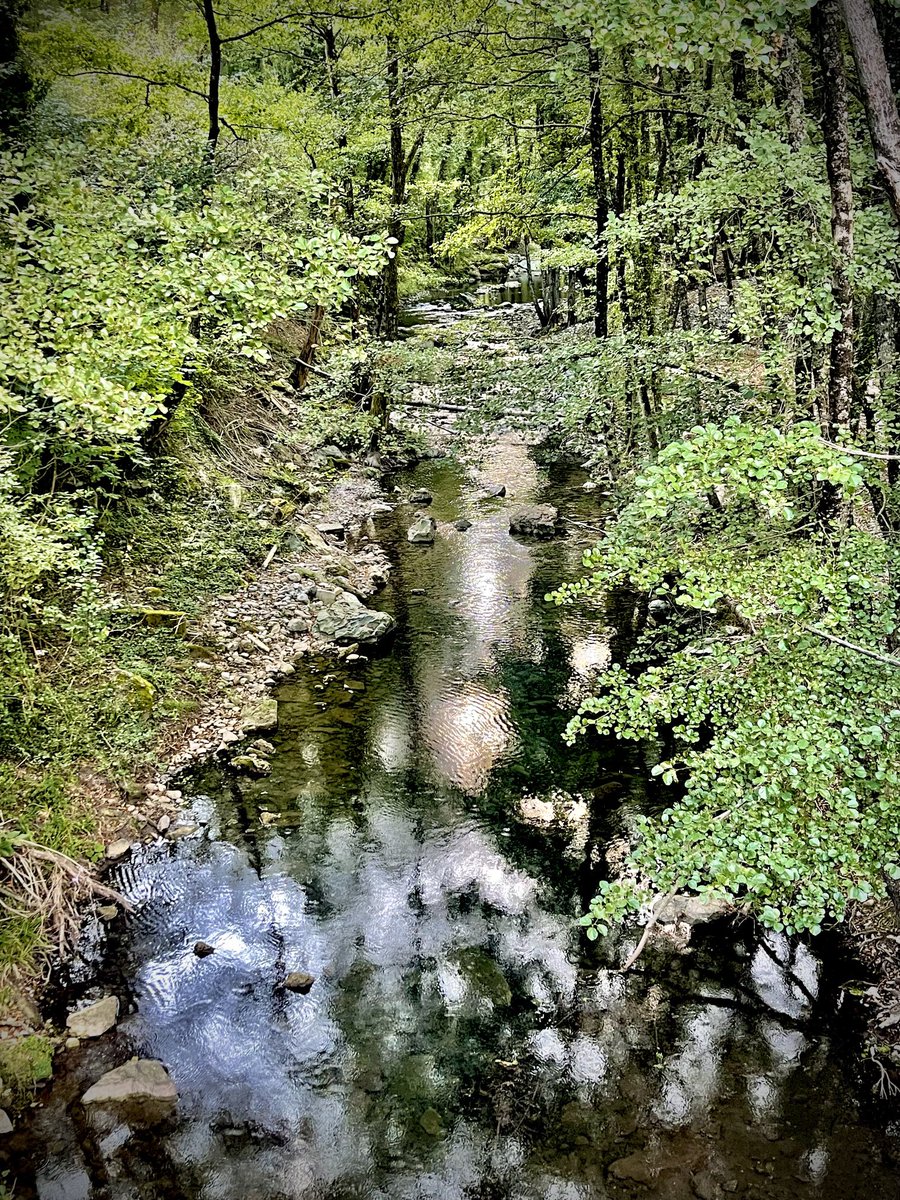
[299,981]
[141,1090]
[422,531]
[260,716]
[534,520]
[421,496]
[95,1020]
[462,524]
[347,621]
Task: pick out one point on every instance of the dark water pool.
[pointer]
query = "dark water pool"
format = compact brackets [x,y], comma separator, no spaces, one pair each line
[424,846]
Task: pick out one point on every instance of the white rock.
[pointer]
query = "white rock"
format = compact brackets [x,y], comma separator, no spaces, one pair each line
[118,848]
[140,1081]
[6,1125]
[94,1020]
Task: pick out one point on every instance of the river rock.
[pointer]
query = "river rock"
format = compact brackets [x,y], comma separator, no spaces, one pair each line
[431,1122]
[332,529]
[142,1090]
[635,1168]
[421,496]
[118,849]
[260,717]
[347,620]
[251,764]
[422,531]
[6,1125]
[182,831]
[462,524]
[299,981]
[705,1186]
[493,491]
[534,520]
[203,949]
[694,910]
[94,1020]
[107,912]
[299,625]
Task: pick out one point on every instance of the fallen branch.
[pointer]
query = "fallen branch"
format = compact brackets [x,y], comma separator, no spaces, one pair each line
[648,929]
[887,659]
[79,873]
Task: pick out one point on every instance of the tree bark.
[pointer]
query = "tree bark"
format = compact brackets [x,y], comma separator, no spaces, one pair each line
[601,194]
[401,164]
[836,133]
[215,76]
[878,94]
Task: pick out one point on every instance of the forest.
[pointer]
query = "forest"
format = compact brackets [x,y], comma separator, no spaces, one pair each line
[216,220]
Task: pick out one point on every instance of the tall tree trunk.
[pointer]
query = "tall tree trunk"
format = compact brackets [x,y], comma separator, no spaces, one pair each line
[396,229]
[330,42]
[215,76]
[878,94]
[836,133]
[601,197]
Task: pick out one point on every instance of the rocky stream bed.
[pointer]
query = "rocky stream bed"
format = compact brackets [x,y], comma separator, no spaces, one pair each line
[351,964]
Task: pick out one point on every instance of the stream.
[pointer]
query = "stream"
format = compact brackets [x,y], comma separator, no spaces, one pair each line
[424,846]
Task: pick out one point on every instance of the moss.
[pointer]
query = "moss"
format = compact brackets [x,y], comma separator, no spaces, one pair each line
[24,1063]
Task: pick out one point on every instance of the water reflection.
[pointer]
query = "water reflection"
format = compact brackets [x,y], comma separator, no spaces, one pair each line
[422,847]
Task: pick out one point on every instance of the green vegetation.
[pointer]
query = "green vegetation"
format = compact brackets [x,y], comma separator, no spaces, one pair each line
[197,200]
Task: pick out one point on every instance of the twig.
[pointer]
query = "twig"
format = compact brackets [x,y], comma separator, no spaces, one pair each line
[79,873]
[648,929]
[267,561]
[887,659]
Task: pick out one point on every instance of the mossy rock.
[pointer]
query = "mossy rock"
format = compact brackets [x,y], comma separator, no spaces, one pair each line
[484,976]
[24,1063]
[162,618]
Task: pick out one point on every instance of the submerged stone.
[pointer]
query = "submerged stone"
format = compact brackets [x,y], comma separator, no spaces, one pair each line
[250,764]
[431,1122]
[94,1020]
[346,622]
[484,976]
[422,531]
[260,717]
[421,496]
[142,1089]
[534,520]
[299,981]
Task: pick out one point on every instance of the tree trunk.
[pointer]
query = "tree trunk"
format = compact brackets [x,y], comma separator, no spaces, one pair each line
[215,76]
[878,94]
[330,42]
[400,164]
[601,203]
[835,129]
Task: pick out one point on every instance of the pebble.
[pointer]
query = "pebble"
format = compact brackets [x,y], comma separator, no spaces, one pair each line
[299,981]
[118,849]
[163,823]
[72,1043]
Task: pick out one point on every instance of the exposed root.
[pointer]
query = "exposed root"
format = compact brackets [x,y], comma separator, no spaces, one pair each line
[45,885]
[886,1086]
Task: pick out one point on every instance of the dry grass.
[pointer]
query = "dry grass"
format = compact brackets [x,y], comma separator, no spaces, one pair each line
[45,888]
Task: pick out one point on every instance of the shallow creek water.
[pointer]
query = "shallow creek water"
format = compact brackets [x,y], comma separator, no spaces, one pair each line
[424,846]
